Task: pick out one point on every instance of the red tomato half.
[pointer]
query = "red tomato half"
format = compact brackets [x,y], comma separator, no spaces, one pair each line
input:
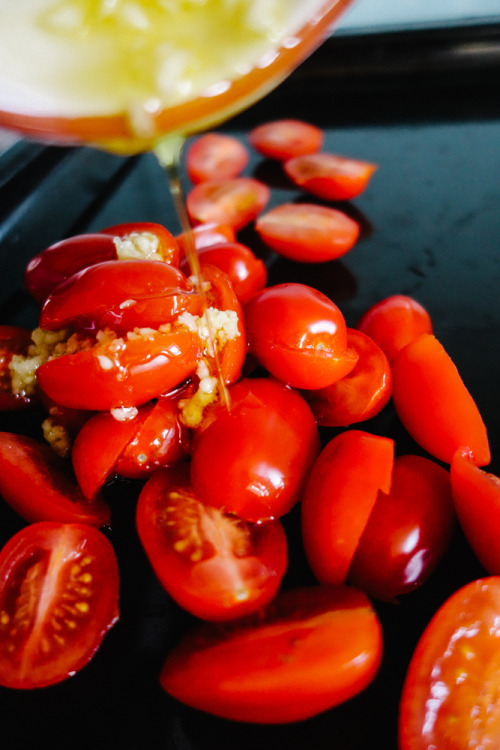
[204,235]
[283,139]
[330,177]
[408,531]
[236,202]
[476,495]
[215,565]
[58,598]
[307,233]
[433,403]
[450,694]
[13,340]
[253,459]
[360,394]
[299,335]
[145,239]
[339,495]
[394,322]
[312,649]
[39,485]
[215,156]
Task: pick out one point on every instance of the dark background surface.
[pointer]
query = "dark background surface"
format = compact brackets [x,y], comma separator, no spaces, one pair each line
[424,107]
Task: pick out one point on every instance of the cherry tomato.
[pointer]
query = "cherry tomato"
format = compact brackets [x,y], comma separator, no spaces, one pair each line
[476,495]
[144,239]
[236,202]
[299,335]
[283,139]
[252,460]
[120,295]
[58,598]
[434,404]
[246,272]
[214,564]
[339,495]
[38,484]
[122,371]
[310,650]
[408,531]
[307,233]
[328,176]
[13,340]
[394,322]
[215,156]
[450,694]
[360,394]
[204,235]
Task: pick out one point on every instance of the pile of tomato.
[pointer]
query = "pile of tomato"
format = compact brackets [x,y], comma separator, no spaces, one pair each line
[211,392]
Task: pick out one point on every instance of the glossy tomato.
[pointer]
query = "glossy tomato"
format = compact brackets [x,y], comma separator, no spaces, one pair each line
[215,156]
[434,404]
[204,235]
[306,232]
[39,485]
[299,335]
[311,649]
[236,202]
[144,239]
[450,694]
[395,321]
[283,139]
[58,597]
[214,564]
[328,176]
[360,394]
[13,340]
[340,493]
[408,531]
[253,459]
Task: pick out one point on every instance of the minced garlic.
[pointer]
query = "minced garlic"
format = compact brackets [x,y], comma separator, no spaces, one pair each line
[192,408]
[222,325]
[56,436]
[138,245]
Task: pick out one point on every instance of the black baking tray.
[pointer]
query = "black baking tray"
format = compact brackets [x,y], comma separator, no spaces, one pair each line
[423,105]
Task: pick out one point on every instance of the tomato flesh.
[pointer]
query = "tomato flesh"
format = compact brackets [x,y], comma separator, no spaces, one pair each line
[284,139]
[215,156]
[236,201]
[328,176]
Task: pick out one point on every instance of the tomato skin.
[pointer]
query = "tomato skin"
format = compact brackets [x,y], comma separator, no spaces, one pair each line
[13,340]
[329,176]
[361,393]
[215,156]
[339,495]
[408,531]
[299,335]
[167,245]
[253,459]
[450,693]
[434,404]
[310,650]
[476,494]
[394,322]
[307,233]
[284,139]
[236,202]
[213,564]
[204,235]
[39,486]
[71,565]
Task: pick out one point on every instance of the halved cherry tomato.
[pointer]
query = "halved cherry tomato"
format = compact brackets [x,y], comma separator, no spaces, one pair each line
[246,272]
[476,494]
[360,394]
[450,694]
[253,459]
[408,531]
[328,176]
[339,495]
[283,139]
[144,239]
[121,295]
[310,650]
[307,233]
[204,235]
[299,335]
[39,485]
[58,598]
[434,404]
[236,202]
[13,340]
[395,321]
[122,371]
[215,156]
[214,564]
